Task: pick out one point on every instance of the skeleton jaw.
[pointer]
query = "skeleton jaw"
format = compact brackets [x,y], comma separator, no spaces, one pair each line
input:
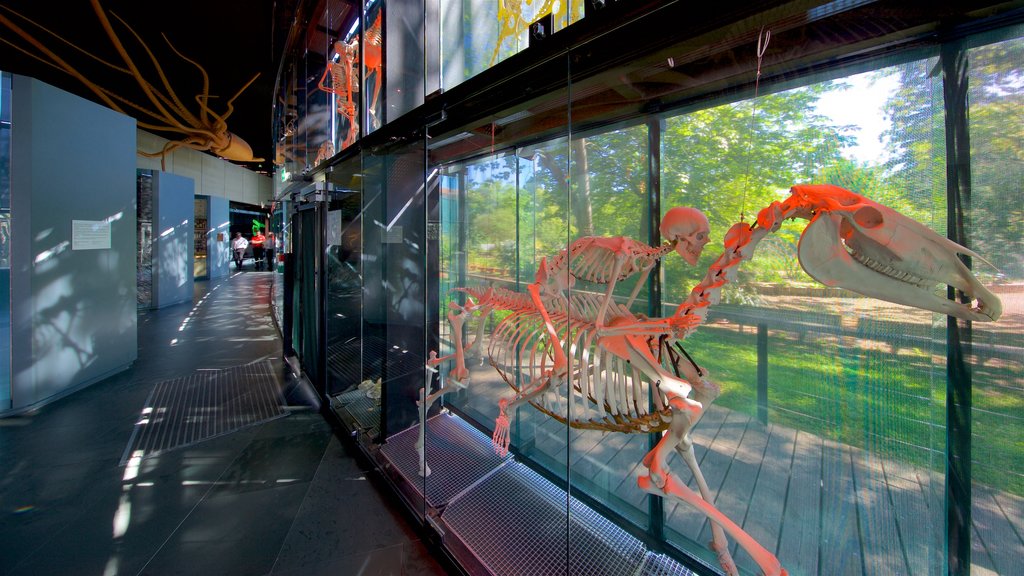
[885,255]
[688,229]
[689,252]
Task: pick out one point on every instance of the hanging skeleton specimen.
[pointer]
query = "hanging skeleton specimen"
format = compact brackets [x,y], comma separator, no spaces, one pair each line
[344,73]
[164,111]
[587,361]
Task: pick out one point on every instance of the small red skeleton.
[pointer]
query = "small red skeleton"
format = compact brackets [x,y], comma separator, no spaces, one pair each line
[587,361]
[343,68]
[344,81]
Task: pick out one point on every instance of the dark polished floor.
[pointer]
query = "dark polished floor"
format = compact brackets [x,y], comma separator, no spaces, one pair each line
[283,496]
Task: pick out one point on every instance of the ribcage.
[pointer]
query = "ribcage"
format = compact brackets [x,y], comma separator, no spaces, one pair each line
[589,258]
[602,391]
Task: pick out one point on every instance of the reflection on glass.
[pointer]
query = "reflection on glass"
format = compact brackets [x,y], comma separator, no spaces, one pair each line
[477,34]
[201,236]
[849,413]
[997,231]
[340,77]
[290,148]
[374,311]
[5,240]
[318,119]
[373,64]
[355,398]
[478,249]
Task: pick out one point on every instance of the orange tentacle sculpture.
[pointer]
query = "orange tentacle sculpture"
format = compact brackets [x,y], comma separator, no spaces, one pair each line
[164,111]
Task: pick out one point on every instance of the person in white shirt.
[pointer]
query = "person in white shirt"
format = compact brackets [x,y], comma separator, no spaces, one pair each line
[238,246]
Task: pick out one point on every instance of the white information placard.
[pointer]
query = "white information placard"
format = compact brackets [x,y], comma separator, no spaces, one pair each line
[90,235]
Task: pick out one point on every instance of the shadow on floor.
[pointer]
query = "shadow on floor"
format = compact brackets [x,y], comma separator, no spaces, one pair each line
[282,496]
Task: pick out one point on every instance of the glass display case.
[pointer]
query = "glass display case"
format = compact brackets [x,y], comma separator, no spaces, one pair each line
[5,240]
[514,335]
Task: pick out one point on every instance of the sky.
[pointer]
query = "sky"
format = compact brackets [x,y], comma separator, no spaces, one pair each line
[862,106]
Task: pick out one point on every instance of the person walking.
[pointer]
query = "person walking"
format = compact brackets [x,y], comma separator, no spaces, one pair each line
[268,251]
[238,246]
[257,243]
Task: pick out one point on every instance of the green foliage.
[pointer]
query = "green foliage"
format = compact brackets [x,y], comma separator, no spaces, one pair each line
[732,160]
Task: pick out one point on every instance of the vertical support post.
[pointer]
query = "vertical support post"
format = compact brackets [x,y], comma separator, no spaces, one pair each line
[762,373]
[655,504]
[321,293]
[288,315]
[953,57]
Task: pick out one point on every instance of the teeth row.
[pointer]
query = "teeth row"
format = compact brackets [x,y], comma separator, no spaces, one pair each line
[889,270]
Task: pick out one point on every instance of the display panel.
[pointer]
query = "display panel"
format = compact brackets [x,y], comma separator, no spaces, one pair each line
[828,442]
[373,326]
[823,392]
[847,400]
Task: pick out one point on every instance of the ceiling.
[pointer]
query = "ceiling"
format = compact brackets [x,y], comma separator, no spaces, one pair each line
[233,41]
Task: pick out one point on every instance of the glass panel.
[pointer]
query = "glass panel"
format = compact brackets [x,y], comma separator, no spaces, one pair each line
[307,317]
[498,216]
[828,395]
[608,200]
[290,151]
[404,28]
[344,296]
[5,240]
[278,241]
[322,89]
[478,249]
[201,237]
[373,65]
[340,77]
[996,224]
[144,238]
[477,34]
[374,313]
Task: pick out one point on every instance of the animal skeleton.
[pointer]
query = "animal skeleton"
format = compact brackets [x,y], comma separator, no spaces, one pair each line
[202,130]
[344,81]
[589,362]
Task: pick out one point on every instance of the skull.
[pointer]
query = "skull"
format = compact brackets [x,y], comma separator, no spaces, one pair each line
[864,246]
[689,229]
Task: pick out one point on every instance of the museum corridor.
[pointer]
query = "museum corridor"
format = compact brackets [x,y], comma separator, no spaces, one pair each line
[193,462]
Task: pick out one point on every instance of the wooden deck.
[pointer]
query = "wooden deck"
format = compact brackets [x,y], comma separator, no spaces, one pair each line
[823,508]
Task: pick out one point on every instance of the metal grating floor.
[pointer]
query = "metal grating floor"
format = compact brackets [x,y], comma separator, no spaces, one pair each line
[209,403]
[510,518]
[344,361]
[515,522]
[458,456]
[661,565]
[364,410]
